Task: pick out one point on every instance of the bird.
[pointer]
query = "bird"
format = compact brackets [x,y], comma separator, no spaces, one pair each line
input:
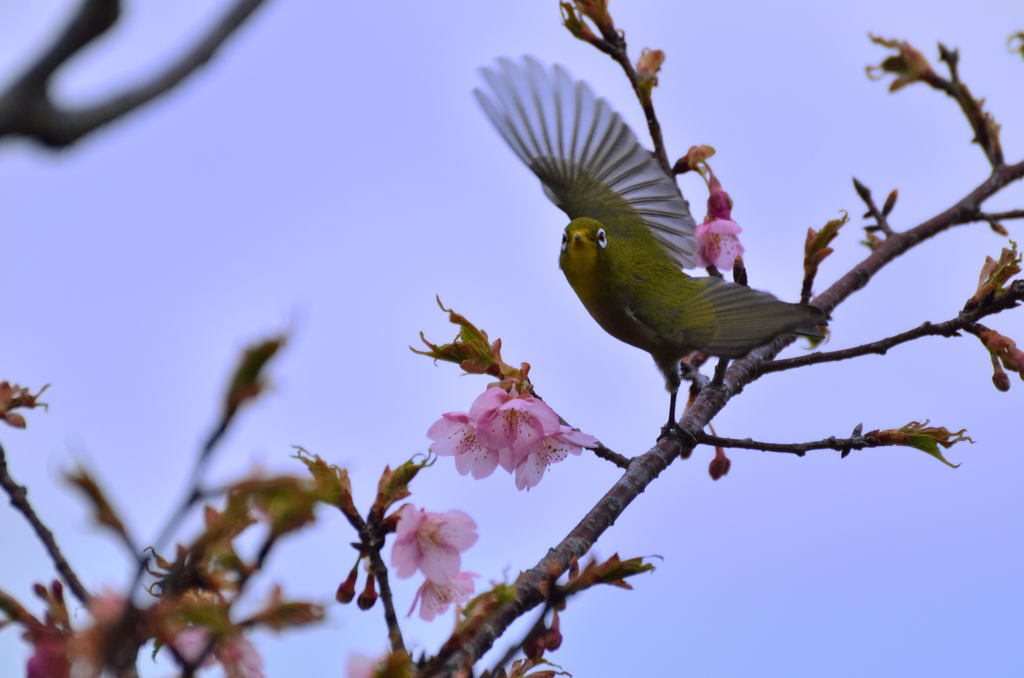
[630,232]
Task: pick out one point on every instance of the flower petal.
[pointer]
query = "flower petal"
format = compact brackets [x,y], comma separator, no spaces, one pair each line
[489,400]
[458,529]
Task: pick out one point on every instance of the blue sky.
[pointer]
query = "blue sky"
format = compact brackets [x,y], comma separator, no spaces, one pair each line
[329,172]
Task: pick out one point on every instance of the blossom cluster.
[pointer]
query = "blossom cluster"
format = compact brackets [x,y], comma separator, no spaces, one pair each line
[520,433]
[432,543]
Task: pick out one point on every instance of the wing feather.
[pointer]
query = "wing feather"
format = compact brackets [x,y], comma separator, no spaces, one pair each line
[588,161]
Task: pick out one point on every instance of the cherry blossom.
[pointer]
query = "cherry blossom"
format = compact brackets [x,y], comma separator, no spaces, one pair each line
[454,434]
[360,666]
[190,642]
[431,542]
[236,655]
[552,449]
[435,598]
[512,425]
[717,241]
[240,658]
[520,433]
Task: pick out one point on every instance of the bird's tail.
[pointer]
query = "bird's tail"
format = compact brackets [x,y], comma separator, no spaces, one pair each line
[746,318]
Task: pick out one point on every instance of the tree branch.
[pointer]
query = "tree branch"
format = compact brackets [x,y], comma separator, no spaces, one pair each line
[19,500]
[991,217]
[614,45]
[371,541]
[878,215]
[379,570]
[986,131]
[1000,216]
[855,442]
[609,455]
[27,108]
[950,328]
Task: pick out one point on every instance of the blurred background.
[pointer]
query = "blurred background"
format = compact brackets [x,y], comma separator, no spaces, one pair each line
[329,173]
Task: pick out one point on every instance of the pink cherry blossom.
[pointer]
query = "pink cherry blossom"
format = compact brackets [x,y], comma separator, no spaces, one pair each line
[240,658]
[435,598]
[717,241]
[717,244]
[190,642]
[107,606]
[512,425]
[49,657]
[360,666]
[552,449]
[454,434]
[431,542]
[237,655]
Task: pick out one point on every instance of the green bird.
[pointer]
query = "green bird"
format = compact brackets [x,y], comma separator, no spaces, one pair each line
[630,231]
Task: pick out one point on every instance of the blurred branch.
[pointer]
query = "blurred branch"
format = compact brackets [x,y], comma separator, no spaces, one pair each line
[950,328]
[19,500]
[189,667]
[27,108]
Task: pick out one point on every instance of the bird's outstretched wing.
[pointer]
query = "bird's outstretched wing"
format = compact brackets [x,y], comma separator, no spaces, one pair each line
[589,161]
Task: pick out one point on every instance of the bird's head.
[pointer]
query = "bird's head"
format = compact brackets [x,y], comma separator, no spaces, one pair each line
[583,244]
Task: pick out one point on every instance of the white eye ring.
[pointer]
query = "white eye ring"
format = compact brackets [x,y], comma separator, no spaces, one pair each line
[602,238]
[565,240]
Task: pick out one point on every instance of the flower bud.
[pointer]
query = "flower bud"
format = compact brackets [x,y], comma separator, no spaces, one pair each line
[1001,381]
[347,589]
[552,638]
[368,597]
[647,69]
[719,465]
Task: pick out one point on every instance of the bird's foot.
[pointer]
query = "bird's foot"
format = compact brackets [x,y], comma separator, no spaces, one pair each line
[676,432]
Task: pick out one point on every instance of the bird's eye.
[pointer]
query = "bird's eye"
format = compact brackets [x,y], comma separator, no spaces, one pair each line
[565,240]
[602,238]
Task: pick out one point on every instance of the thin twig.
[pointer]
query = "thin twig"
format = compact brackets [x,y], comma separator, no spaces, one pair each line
[614,45]
[985,130]
[19,500]
[609,455]
[950,328]
[991,216]
[844,445]
[371,541]
[27,109]
[876,214]
[380,571]
[1000,216]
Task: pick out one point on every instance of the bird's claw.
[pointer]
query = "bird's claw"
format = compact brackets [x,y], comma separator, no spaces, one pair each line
[676,432]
